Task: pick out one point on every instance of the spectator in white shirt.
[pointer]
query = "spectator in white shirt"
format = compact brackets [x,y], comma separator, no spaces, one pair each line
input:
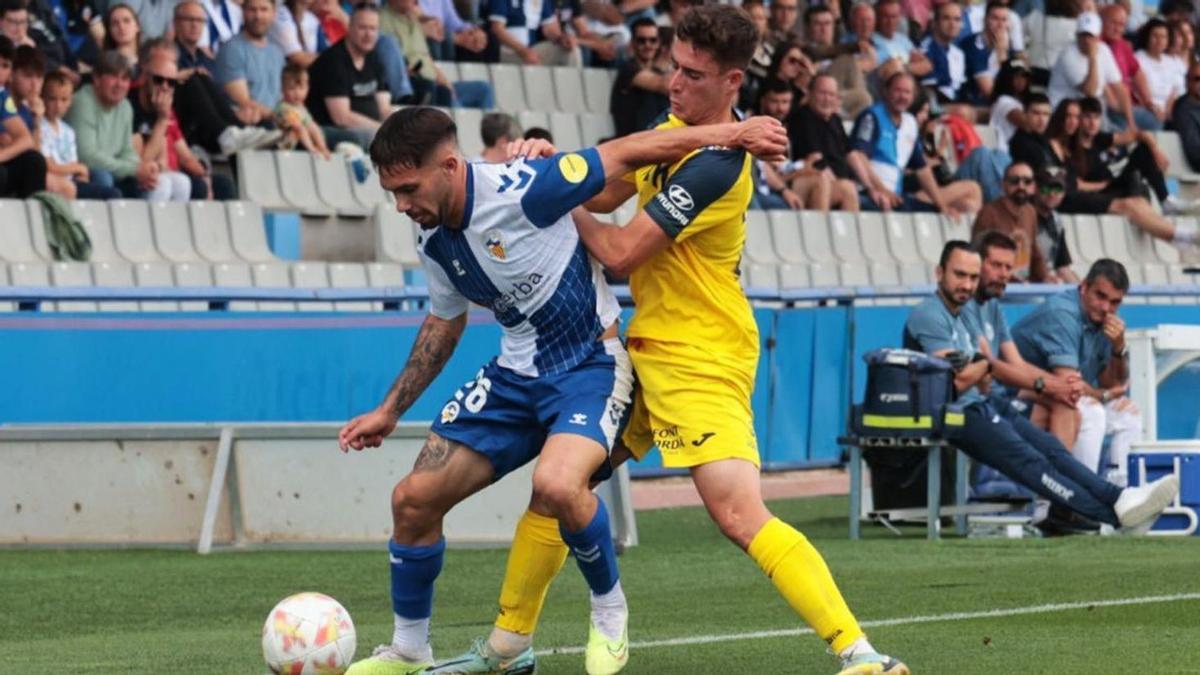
[1087,68]
[1164,74]
[1008,94]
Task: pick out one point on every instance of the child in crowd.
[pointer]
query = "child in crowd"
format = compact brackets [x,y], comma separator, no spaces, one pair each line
[22,169]
[65,174]
[25,86]
[292,117]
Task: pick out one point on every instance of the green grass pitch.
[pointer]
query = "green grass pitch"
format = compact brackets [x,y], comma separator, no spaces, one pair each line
[175,612]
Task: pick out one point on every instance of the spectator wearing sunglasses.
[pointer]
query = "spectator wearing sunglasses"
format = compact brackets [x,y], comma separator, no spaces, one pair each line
[1015,215]
[639,93]
[1185,118]
[1051,233]
[157,136]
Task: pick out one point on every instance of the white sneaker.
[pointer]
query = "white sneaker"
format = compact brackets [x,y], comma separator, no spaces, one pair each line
[1137,505]
[235,139]
[1173,206]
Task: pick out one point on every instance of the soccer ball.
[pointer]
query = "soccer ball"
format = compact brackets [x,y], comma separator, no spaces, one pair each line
[308,633]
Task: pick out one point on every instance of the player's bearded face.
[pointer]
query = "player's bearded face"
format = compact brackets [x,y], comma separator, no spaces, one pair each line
[419,193]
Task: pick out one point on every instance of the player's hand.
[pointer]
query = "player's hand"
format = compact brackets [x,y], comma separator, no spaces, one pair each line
[1114,330]
[531,148]
[367,431]
[762,136]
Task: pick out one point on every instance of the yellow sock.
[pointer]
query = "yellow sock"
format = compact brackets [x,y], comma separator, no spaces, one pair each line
[537,554]
[800,574]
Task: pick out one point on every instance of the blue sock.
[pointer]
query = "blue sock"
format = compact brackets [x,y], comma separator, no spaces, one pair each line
[593,550]
[414,569]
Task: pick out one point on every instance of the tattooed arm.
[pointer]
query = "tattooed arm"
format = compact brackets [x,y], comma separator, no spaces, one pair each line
[434,344]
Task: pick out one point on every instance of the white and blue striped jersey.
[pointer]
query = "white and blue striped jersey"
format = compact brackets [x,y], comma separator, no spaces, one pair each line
[519,255]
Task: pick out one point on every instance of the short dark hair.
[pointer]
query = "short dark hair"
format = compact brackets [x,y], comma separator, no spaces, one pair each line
[539,132]
[814,10]
[643,22]
[949,249]
[1019,162]
[1034,98]
[1168,7]
[30,60]
[364,7]
[111,62]
[497,125]
[7,6]
[1109,269]
[156,44]
[725,31]
[292,73]
[937,9]
[994,4]
[7,48]
[57,78]
[409,136]
[775,85]
[1090,105]
[994,239]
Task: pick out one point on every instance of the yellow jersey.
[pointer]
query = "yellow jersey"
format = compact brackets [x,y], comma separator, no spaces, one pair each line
[688,294]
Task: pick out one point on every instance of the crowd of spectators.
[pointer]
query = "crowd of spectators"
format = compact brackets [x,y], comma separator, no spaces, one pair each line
[883,101]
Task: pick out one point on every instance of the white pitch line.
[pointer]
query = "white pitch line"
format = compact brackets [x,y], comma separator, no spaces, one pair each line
[899,621]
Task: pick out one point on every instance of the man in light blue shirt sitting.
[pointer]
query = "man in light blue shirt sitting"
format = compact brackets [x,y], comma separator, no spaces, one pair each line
[996,436]
[1078,333]
[891,39]
[249,66]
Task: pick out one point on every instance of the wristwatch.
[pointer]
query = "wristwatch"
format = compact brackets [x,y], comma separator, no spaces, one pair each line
[1105,396]
[1123,353]
[1039,384]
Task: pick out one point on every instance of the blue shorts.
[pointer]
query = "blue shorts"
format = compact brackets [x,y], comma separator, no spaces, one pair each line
[507,417]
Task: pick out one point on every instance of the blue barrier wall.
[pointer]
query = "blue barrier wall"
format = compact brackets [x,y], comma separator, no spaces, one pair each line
[319,367]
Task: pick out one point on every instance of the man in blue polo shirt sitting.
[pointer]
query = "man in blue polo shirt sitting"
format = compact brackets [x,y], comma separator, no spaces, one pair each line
[886,142]
[1078,333]
[949,64]
[994,434]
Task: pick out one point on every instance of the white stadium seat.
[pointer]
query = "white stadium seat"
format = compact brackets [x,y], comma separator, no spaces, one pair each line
[396,237]
[257,180]
[16,244]
[299,187]
[333,177]
[133,234]
[173,231]
[539,88]
[384,274]
[785,233]
[154,274]
[352,275]
[93,215]
[193,275]
[506,82]
[568,89]
[469,141]
[597,85]
[595,127]
[247,232]
[311,274]
[564,126]
[533,118]
[235,275]
[210,232]
[114,275]
[759,248]
[71,274]
[272,275]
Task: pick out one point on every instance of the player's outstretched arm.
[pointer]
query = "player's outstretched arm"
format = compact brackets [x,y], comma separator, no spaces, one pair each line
[763,137]
[433,347]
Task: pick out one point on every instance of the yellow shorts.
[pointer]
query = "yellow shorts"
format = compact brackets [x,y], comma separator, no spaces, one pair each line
[694,410]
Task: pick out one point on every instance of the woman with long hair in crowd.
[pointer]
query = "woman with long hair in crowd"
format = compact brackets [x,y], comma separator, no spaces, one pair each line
[1086,198]
[123,32]
[1007,100]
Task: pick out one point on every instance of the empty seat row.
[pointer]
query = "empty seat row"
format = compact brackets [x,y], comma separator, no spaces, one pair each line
[201,275]
[786,249]
[542,88]
[298,181]
[138,231]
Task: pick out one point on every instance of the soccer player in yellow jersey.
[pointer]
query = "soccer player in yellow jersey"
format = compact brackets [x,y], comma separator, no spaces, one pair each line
[694,346]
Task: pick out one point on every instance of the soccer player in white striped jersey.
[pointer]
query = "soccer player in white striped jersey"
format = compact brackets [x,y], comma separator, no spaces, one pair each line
[501,236]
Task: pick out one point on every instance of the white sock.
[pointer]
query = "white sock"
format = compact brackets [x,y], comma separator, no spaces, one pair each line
[859,646]
[1185,235]
[411,638]
[507,644]
[609,611]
